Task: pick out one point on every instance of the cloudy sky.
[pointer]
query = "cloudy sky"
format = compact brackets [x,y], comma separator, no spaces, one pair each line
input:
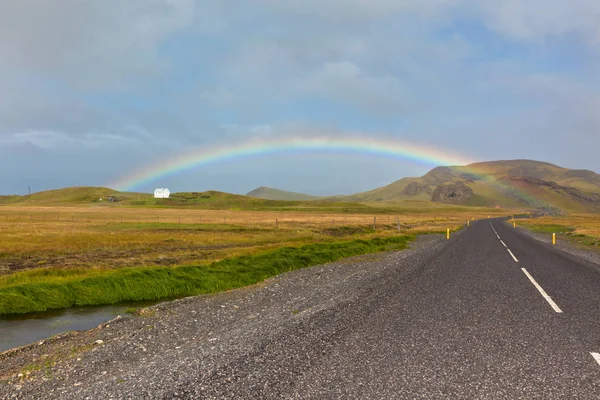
[91,91]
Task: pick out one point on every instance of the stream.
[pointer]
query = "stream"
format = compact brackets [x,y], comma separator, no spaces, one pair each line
[20,330]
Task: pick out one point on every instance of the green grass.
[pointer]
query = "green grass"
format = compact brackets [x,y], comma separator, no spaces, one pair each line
[268,193]
[48,289]
[550,228]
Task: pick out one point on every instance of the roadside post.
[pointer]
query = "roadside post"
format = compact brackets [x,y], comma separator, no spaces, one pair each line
[554,238]
[448,233]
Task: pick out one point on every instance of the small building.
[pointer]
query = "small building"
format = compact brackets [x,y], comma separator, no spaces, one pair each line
[162,193]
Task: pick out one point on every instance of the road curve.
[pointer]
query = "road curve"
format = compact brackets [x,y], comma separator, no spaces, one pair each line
[491,313]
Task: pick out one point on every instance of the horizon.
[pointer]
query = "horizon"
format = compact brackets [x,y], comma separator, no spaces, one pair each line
[169,80]
[285,190]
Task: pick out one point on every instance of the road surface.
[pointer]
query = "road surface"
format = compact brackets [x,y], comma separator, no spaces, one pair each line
[491,313]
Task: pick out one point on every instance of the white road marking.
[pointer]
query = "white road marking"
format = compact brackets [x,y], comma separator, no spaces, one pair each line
[503,244]
[498,236]
[596,357]
[513,256]
[545,295]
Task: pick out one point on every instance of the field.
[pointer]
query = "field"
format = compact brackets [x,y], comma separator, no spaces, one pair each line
[82,254]
[581,229]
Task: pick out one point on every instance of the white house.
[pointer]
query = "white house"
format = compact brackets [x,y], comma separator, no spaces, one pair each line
[162,193]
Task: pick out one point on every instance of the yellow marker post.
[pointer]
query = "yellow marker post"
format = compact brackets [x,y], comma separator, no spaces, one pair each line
[448,233]
[468,223]
[554,238]
[514,224]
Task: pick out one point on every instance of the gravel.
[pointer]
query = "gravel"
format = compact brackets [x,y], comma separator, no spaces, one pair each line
[210,346]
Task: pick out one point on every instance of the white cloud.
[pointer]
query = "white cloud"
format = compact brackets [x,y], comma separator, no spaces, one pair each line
[200,71]
[540,20]
[90,43]
[344,81]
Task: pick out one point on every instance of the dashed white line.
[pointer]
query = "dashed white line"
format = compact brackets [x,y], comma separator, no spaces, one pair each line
[512,255]
[503,244]
[596,357]
[498,236]
[544,295]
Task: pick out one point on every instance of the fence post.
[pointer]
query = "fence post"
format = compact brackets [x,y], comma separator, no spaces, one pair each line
[276,224]
[398,223]
[374,223]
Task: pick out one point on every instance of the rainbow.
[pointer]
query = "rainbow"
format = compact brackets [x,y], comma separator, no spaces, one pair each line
[361,145]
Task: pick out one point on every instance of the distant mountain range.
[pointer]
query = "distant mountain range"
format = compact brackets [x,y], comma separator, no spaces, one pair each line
[523,184]
[513,183]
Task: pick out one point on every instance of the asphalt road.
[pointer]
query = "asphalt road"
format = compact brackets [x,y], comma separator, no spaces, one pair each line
[492,313]
[474,324]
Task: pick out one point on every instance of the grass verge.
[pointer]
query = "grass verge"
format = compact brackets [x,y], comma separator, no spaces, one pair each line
[579,229]
[50,289]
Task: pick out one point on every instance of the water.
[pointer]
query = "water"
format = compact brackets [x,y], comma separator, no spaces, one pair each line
[17,331]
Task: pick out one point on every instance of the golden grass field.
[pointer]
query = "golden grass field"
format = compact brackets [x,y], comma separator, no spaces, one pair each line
[113,237]
[582,229]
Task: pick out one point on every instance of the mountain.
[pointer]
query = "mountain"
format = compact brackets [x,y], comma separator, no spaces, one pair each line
[268,193]
[76,194]
[512,183]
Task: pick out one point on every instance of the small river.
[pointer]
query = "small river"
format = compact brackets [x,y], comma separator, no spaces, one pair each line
[20,330]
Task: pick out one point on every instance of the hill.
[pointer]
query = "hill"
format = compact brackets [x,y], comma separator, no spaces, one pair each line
[73,195]
[268,193]
[209,200]
[512,183]
[506,184]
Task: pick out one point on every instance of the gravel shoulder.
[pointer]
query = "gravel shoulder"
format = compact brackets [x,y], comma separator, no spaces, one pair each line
[198,347]
[589,254]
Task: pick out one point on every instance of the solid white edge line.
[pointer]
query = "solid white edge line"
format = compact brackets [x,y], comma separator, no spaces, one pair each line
[542,292]
[596,357]
[498,236]
[513,256]
[503,244]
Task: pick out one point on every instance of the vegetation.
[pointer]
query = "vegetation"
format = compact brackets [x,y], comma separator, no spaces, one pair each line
[268,193]
[114,237]
[46,289]
[83,246]
[581,229]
